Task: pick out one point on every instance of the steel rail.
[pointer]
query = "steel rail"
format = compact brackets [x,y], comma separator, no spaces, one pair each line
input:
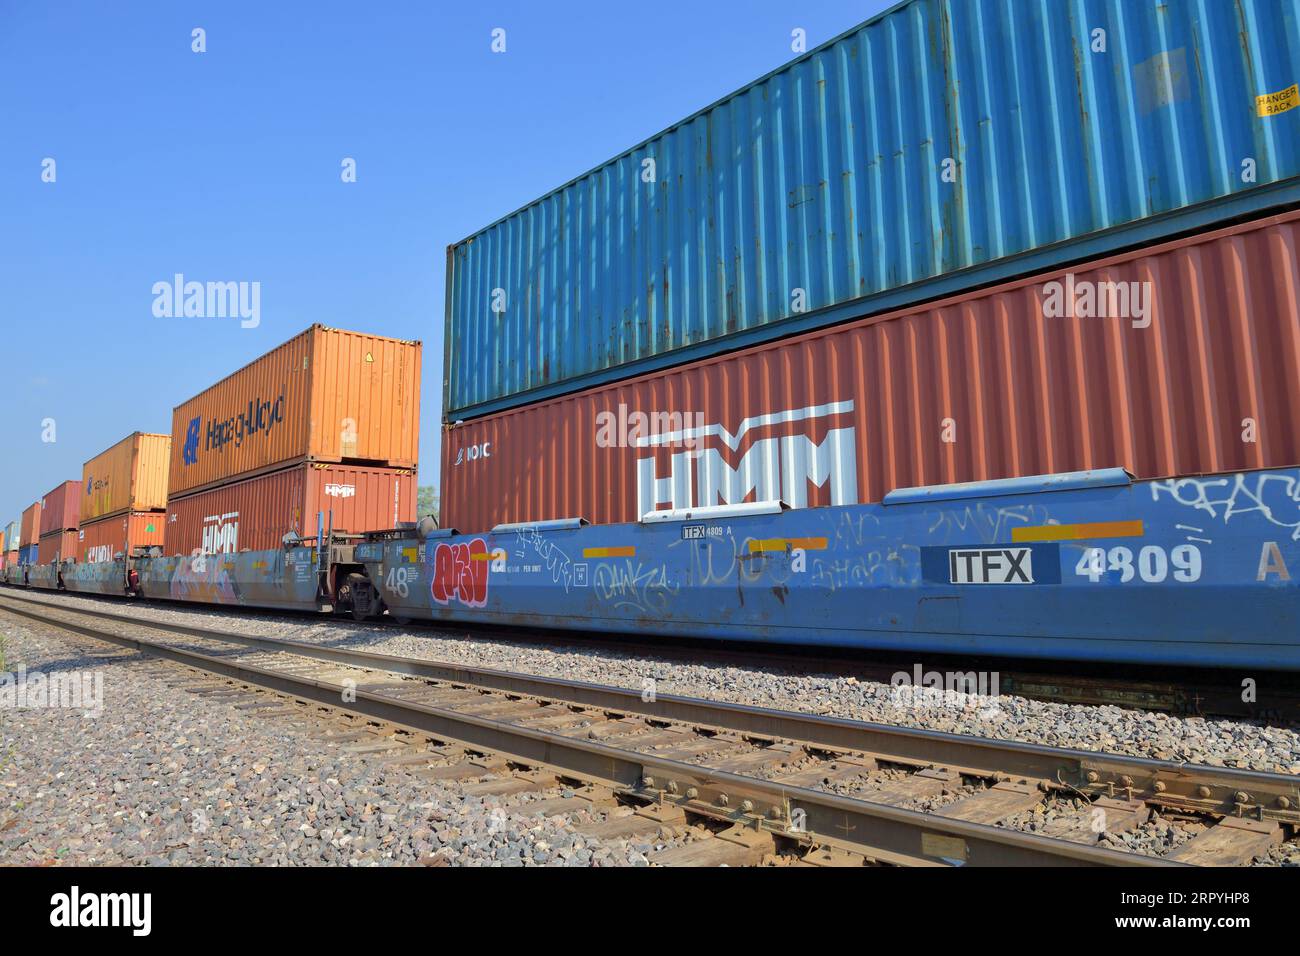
[1197,788]
[879,832]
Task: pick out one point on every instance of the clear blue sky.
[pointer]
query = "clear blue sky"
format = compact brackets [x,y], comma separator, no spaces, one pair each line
[225,166]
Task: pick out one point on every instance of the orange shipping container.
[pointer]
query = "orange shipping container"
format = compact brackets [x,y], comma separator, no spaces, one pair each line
[57,546]
[106,538]
[256,513]
[326,395]
[130,476]
[30,531]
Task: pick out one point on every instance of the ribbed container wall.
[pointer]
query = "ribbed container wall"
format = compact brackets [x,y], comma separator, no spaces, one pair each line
[61,508]
[941,135]
[992,384]
[11,536]
[57,546]
[129,476]
[28,553]
[104,539]
[30,531]
[325,395]
[255,514]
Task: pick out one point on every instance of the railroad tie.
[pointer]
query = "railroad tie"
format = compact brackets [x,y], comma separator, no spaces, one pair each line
[996,803]
[592,799]
[1105,815]
[737,846]
[824,773]
[643,822]
[525,782]
[1233,841]
[765,758]
[924,783]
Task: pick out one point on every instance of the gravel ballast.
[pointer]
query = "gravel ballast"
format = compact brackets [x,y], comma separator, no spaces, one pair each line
[164,776]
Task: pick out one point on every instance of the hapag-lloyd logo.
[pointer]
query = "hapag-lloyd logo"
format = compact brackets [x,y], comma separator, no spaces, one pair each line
[260,417]
[780,463]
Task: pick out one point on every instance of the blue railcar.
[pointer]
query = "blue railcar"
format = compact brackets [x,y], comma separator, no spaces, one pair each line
[1093,566]
[942,145]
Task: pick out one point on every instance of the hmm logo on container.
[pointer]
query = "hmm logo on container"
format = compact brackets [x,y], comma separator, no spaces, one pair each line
[341,491]
[804,456]
[221,533]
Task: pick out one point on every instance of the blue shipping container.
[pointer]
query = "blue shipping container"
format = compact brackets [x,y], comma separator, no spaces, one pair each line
[27,554]
[941,136]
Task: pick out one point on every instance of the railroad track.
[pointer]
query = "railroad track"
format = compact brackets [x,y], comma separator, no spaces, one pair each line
[772,786]
[1187,692]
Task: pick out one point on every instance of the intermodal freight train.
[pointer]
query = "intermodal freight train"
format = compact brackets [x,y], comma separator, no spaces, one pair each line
[1010,372]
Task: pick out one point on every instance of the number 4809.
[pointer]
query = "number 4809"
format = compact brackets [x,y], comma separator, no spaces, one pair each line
[1152,563]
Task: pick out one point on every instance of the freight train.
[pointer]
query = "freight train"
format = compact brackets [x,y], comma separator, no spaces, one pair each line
[980,374]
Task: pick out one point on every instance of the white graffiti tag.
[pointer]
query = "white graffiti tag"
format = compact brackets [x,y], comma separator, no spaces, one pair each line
[1274,496]
[557,562]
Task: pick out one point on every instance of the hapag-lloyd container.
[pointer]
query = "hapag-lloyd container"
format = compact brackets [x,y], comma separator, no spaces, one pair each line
[61,508]
[104,539]
[974,387]
[57,546]
[325,395]
[130,476]
[30,531]
[256,513]
[942,135]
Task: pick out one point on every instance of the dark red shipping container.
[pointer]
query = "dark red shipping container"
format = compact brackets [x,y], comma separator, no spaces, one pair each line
[61,508]
[30,532]
[106,538]
[256,513]
[1193,369]
[57,546]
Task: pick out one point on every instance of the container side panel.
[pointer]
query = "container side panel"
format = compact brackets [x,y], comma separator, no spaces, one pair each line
[1174,361]
[942,136]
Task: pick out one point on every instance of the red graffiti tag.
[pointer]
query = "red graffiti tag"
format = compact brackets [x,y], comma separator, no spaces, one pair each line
[460,571]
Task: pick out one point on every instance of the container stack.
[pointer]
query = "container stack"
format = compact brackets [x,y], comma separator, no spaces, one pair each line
[821,288]
[29,534]
[11,543]
[60,516]
[123,504]
[322,431]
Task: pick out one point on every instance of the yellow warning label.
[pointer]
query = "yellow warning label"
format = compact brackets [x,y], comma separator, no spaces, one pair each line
[1271,104]
[1078,532]
[622,551]
[944,847]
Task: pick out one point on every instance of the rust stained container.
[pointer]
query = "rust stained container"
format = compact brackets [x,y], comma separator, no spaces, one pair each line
[61,508]
[57,546]
[326,395]
[104,539]
[256,513]
[991,384]
[30,531]
[130,476]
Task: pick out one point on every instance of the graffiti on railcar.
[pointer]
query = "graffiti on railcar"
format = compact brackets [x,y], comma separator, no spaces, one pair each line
[563,570]
[983,523]
[632,586]
[460,572]
[210,582]
[1275,496]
